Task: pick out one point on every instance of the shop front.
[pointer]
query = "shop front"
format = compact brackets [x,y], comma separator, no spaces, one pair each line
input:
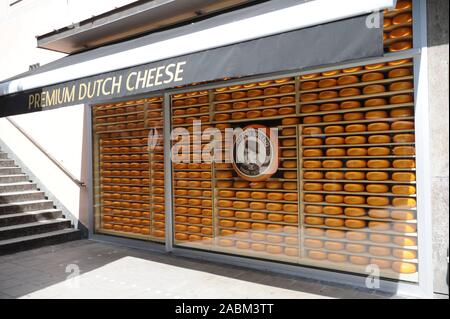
[299,152]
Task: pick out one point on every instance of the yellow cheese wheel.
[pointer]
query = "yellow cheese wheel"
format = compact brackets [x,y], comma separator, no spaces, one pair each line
[309,85]
[242,215]
[225,193]
[335,140]
[317,255]
[400,46]
[355,140]
[374,89]
[243,225]
[404,228]
[404,163]
[309,220]
[376,66]
[402,125]
[275,217]
[379,151]
[330,73]
[355,175]
[332,164]
[378,163]
[312,209]
[377,176]
[333,210]
[354,211]
[355,248]
[359,260]
[352,69]
[329,106]
[400,72]
[402,18]
[313,243]
[404,253]
[349,92]
[402,112]
[355,223]
[403,189]
[276,228]
[372,76]
[334,198]
[312,186]
[259,205]
[315,232]
[404,202]
[290,251]
[379,226]
[334,222]
[356,151]
[312,141]
[353,116]
[325,95]
[291,208]
[354,187]
[290,196]
[380,251]
[288,131]
[224,174]
[347,79]
[334,129]
[400,99]
[379,126]
[306,97]
[256,185]
[225,203]
[377,188]
[405,240]
[356,164]
[327,82]
[332,118]
[259,226]
[312,175]
[289,164]
[403,177]
[334,233]
[335,152]
[355,128]
[338,258]
[399,86]
[376,115]
[381,263]
[404,267]
[290,218]
[379,139]
[375,102]
[332,187]
[356,236]
[334,245]
[288,186]
[290,121]
[354,200]
[312,153]
[404,150]
[380,238]
[310,108]
[334,175]
[226,242]
[350,105]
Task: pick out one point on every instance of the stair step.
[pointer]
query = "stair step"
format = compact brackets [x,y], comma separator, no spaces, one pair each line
[17,187]
[14,178]
[24,196]
[6,163]
[10,170]
[34,228]
[20,207]
[3,155]
[29,217]
[34,241]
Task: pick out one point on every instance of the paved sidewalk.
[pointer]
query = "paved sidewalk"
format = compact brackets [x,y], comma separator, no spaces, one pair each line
[111,271]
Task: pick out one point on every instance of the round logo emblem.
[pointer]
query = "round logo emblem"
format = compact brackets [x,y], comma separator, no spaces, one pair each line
[255,153]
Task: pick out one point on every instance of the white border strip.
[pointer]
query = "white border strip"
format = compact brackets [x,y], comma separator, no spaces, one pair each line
[283,20]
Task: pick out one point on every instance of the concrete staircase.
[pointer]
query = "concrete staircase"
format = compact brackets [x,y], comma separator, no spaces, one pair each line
[27,218]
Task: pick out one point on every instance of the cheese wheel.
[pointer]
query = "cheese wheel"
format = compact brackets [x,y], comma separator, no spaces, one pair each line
[376,115]
[332,118]
[310,108]
[402,125]
[312,119]
[354,211]
[349,92]
[377,188]
[381,263]
[359,260]
[379,139]
[313,243]
[404,202]
[329,106]
[335,152]
[377,176]
[355,128]
[312,130]
[242,215]
[290,121]
[376,66]
[347,79]
[332,187]
[404,150]
[375,102]
[290,174]
[334,175]
[354,187]
[258,195]
[327,82]
[403,189]
[335,140]
[356,164]
[380,238]
[325,95]
[404,267]
[355,223]
[334,245]
[379,151]
[288,185]
[400,99]
[404,253]
[258,247]
[334,129]
[400,46]
[332,164]
[269,112]
[290,196]
[372,76]
[291,208]
[334,222]
[290,251]
[334,198]
[224,184]
[374,89]
[312,153]
[405,240]
[353,116]
[333,210]
[402,85]
[379,126]
[242,194]
[309,85]
[355,248]
[404,228]
[378,163]
[317,255]
[259,205]
[403,177]
[288,131]
[402,112]
[356,236]
[315,232]
[334,233]
[338,258]
[402,18]
[350,105]
[356,151]
[290,218]
[330,73]
[354,200]
[404,163]
[355,175]
[380,251]
[243,225]
[306,97]
[312,175]
[314,220]
[275,228]
[379,226]
[258,226]
[311,209]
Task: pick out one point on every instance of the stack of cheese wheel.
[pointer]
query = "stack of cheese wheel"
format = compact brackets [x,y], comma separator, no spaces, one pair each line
[358,179]
[190,107]
[255,101]
[260,218]
[192,177]
[130,176]
[398,27]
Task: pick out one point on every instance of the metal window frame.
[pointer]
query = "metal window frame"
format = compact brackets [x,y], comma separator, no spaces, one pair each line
[424,288]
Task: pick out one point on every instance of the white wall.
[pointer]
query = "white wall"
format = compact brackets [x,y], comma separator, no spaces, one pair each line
[59,131]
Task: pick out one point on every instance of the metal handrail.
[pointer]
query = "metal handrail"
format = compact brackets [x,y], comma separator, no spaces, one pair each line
[47,154]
